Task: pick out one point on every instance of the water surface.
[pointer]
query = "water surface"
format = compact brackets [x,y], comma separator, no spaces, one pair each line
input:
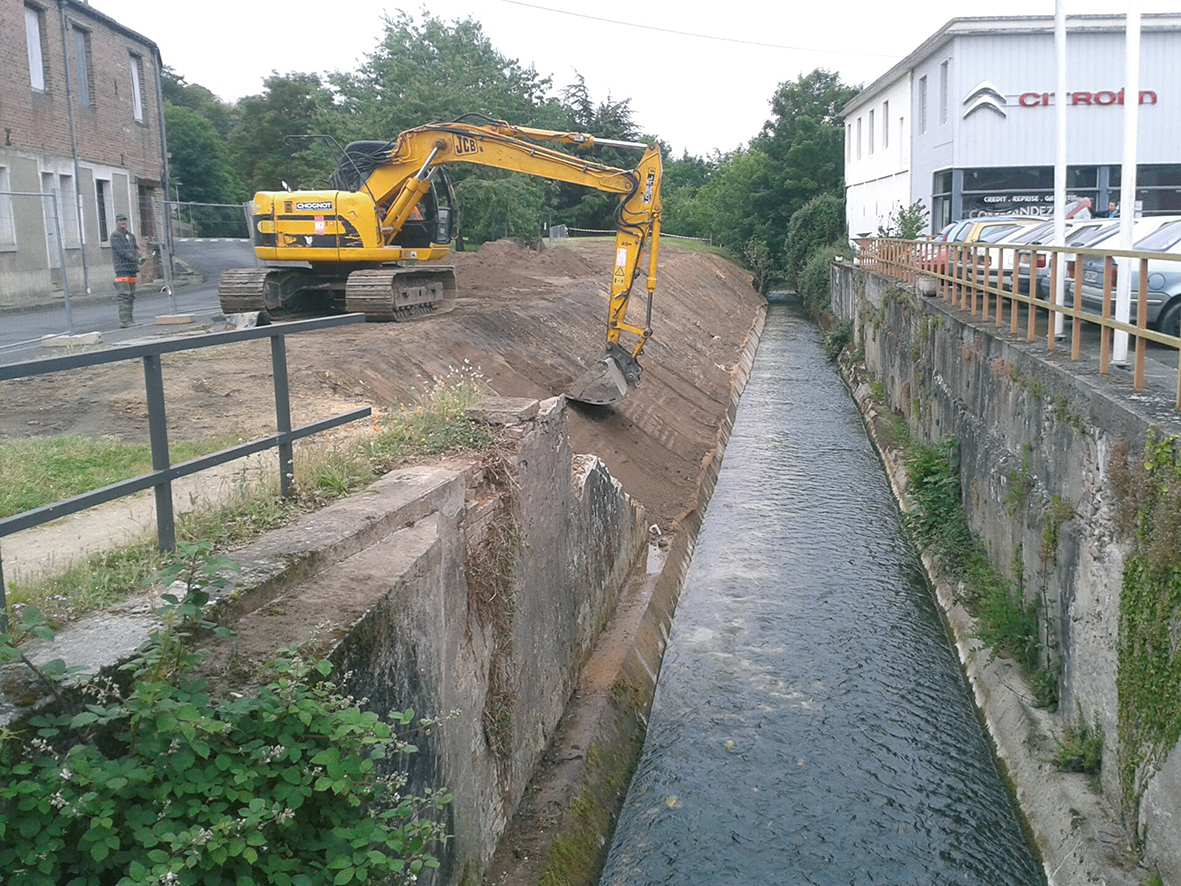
[811,724]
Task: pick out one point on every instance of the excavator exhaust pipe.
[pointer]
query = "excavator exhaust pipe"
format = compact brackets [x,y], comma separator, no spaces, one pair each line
[607,381]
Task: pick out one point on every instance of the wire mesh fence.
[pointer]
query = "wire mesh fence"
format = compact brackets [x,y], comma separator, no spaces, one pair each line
[209,220]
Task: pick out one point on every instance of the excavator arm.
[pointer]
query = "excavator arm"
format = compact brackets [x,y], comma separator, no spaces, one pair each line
[398,180]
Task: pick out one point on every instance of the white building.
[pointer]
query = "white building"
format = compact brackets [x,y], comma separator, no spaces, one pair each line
[965,123]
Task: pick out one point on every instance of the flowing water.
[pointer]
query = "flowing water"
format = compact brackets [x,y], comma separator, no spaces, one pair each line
[811,724]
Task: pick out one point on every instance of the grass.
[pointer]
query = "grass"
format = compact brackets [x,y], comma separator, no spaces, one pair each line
[39,471]
[1082,751]
[323,472]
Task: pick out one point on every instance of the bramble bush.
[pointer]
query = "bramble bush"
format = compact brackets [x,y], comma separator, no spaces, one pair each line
[160,783]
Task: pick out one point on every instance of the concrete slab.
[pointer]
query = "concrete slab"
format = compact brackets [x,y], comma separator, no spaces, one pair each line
[175,319]
[79,340]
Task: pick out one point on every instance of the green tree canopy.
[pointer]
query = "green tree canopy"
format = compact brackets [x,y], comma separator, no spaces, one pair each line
[819,222]
[804,139]
[179,92]
[199,158]
[431,72]
[290,104]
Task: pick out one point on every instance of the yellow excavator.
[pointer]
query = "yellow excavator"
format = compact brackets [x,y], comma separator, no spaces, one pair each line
[389,206]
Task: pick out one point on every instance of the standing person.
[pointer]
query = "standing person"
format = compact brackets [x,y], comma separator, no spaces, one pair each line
[126,258]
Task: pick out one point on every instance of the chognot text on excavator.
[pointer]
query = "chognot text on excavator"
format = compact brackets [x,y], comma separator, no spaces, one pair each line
[391,203]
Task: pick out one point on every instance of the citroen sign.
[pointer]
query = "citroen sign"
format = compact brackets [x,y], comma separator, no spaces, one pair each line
[985,95]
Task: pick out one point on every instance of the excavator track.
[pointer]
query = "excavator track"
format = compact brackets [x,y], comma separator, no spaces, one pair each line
[399,294]
[276,292]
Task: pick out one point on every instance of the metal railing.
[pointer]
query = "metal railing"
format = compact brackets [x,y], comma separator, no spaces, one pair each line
[163,473]
[985,279]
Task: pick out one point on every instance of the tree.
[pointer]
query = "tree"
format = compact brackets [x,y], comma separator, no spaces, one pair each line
[819,222]
[804,139]
[182,94]
[432,72]
[576,205]
[199,158]
[905,222]
[290,104]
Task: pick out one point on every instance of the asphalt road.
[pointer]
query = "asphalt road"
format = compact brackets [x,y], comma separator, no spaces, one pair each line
[21,333]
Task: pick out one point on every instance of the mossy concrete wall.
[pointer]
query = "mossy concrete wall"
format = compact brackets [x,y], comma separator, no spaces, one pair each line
[1031,427]
[387,576]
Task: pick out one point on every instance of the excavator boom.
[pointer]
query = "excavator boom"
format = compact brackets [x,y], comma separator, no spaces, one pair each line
[390,203]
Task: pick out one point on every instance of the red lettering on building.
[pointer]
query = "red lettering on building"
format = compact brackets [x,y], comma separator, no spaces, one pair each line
[1090,99]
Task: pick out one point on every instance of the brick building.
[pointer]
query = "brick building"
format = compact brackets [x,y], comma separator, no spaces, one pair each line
[107,159]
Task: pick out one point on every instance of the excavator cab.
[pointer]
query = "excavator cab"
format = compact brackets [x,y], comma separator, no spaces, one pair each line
[433,219]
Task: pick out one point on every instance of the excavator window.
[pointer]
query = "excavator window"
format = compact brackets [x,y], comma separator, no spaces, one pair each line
[431,220]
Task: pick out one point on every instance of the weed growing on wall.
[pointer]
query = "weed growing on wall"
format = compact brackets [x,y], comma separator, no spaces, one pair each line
[938,524]
[156,782]
[1148,490]
[491,575]
[837,337]
[1082,747]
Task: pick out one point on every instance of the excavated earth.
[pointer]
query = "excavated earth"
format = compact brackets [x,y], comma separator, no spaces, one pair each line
[529,321]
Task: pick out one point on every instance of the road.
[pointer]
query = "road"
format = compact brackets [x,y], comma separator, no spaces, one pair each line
[21,333]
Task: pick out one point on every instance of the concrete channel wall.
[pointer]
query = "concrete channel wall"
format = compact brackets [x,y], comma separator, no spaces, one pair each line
[1031,429]
[473,593]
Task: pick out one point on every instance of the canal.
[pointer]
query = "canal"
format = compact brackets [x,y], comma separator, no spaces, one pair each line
[811,724]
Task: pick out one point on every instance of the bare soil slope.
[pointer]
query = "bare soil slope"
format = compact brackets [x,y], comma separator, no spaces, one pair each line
[530,322]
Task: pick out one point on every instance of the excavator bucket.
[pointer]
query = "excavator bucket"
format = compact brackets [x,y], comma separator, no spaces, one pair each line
[602,384]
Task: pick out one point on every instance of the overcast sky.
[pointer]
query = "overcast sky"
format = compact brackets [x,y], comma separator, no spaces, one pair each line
[699,74]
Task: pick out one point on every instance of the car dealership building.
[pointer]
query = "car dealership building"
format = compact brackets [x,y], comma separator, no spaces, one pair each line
[966,122]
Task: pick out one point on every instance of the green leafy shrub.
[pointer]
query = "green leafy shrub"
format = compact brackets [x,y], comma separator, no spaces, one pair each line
[814,284]
[837,337]
[160,783]
[819,222]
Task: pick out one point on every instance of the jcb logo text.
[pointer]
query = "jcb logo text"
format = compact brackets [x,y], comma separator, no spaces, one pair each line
[465,144]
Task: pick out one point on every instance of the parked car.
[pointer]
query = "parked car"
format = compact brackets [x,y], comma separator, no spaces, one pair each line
[973,230]
[1164,280]
[1078,233]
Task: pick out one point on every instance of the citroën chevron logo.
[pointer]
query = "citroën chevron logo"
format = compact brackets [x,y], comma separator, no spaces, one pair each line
[985,95]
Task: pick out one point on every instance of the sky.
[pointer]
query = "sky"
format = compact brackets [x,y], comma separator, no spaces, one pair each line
[700,75]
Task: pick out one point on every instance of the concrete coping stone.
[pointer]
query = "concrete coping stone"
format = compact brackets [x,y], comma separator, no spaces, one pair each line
[269,566]
[504,411]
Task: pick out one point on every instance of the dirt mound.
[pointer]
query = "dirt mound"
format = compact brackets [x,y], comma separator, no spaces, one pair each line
[530,322]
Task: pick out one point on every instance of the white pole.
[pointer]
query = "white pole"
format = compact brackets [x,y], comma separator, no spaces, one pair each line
[1127,188]
[1060,159]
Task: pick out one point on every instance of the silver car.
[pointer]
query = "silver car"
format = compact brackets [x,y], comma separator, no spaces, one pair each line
[1164,279]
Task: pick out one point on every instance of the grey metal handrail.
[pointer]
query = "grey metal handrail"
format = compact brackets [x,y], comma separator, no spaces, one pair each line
[163,473]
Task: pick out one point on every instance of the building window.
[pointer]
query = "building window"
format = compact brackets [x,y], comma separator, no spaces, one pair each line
[82,66]
[885,125]
[849,141]
[922,105]
[102,192]
[7,218]
[137,98]
[943,93]
[34,35]
[871,131]
[858,138]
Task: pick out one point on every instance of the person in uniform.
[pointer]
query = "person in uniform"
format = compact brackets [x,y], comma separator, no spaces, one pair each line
[126,258]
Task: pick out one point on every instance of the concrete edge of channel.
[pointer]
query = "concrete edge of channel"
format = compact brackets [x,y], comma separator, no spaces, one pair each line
[103,641]
[1078,837]
[618,734]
